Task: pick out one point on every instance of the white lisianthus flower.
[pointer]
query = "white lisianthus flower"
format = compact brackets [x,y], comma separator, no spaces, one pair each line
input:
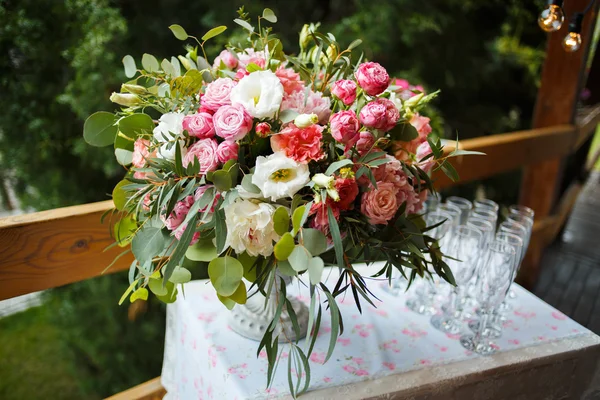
[250,227]
[260,93]
[278,176]
[306,120]
[170,126]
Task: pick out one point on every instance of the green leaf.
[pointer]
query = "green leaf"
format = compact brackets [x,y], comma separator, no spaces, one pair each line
[285,268]
[337,238]
[119,195]
[203,250]
[178,31]
[337,165]
[150,63]
[450,171]
[124,229]
[227,302]
[241,294]
[225,275]
[180,275]
[281,220]
[222,180]
[244,24]
[460,152]
[251,67]
[355,44]
[127,291]
[169,70]
[284,247]
[335,323]
[136,124]
[129,65]
[299,258]
[297,218]
[157,287]
[314,240]
[315,270]
[182,246]
[288,116]
[171,295]
[404,132]
[269,15]
[220,229]
[214,32]
[250,266]
[148,243]
[248,185]
[99,129]
[140,294]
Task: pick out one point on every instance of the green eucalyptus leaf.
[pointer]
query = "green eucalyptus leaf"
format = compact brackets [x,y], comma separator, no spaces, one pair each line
[250,266]
[244,24]
[140,294]
[355,44]
[214,32]
[269,15]
[337,165]
[171,295]
[404,132]
[124,157]
[157,287]
[119,195]
[148,243]
[281,220]
[297,218]
[180,275]
[285,268]
[315,270]
[136,124]
[222,180]
[129,65]
[99,129]
[178,31]
[314,240]
[241,294]
[248,185]
[124,229]
[203,250]
[150,63]
[225,274]
[227,302]
[284,247]
[299,258]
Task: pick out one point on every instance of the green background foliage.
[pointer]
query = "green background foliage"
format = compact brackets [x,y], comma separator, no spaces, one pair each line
[62,59]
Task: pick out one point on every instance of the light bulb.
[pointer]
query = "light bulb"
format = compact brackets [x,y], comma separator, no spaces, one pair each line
[551,18]
[572,42]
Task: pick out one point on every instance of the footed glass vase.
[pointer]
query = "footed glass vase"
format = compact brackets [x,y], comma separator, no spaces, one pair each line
[252,319]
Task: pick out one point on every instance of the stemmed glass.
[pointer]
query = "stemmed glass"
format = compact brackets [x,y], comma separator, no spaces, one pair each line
[486,204]
[462,253]
[496,276]
[453,210]
[463,204]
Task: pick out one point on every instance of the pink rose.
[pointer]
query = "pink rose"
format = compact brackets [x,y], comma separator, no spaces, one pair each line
[252,56]
[423,151]
[311,103]
[227,151]
[344,127]
[199,125]
[181,229]
[300,144]
[205,150]
[140,152]
[263,129]
[232,122]
[320,215]
[227,58]
[178,214]
[290,80]
[365,142]
[217,93]
[380,114]
[422,126]
[345,90]
[372,77]
[380,205]
[198,195]
[402,84]
[347,190]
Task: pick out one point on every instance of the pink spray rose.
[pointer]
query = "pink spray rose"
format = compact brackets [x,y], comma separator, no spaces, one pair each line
[178,214]
[263,129]
[227,150]
[140,153]
[344,127]
[227,58]
[252,56]
[423,151]
[232,122]
[380,114]
[205,150]
[380,205]
[300,144]
[348,190]
[311,103]
[345,90]
[320,215]
[365,142]
[199,125]
[217,93]
[290,80]
[181,229]
[198,195]
[372,77]
[422,126]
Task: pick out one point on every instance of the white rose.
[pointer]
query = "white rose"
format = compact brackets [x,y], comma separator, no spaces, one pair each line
[170,125]
[260,93]
[250,227]
[278,176]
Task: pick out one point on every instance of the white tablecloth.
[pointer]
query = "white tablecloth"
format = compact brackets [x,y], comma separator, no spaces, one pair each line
[204,359]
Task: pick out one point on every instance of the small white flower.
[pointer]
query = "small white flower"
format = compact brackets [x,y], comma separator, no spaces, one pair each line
[306,120]
[326,182]
[260,93]
[278,176]
[170,125]
[250,227]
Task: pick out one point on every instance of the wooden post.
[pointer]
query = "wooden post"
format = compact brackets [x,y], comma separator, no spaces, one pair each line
[563,76]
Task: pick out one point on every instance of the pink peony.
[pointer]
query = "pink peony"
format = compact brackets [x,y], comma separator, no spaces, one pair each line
[217,93]
[178,214]
[232,122]
[263,129]
[140,153]
[380,114]
[199,125]
[347,190]
[313,103]
[380,205]
[372,77]
[344,127]
[300,144]
[423,151]
[290,80]
[365,142]
[227,58]
[205,150]
[227,151]
[345,90]
[252,56]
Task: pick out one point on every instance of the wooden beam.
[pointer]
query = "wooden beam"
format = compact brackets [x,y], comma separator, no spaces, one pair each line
[587,120]
[151,390]
[52,248]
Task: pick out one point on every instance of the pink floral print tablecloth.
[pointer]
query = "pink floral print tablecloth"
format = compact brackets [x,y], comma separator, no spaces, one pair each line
[204,359]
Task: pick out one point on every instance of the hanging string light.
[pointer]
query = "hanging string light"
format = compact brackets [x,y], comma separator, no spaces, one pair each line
[551,20]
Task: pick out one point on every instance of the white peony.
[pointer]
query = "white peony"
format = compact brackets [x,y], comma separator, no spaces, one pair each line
[278,176]
[260,93]
[250,227]
[170,125]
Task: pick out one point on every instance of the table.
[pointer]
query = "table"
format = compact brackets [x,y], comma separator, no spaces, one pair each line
[387,352]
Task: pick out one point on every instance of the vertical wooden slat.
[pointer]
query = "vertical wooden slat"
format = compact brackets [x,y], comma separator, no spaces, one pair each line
[563,75]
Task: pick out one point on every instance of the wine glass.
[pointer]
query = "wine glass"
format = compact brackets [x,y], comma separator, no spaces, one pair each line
[486,204]
[486,214]
[461,255]
[496,277]
[453,210]
[463,204]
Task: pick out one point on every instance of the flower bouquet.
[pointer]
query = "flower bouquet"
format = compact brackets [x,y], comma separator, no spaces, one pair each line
[266,165]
